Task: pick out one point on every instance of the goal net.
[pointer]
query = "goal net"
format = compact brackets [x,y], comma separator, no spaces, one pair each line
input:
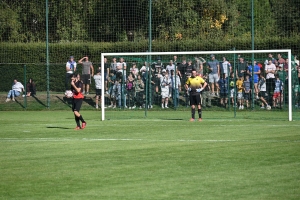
[240,83]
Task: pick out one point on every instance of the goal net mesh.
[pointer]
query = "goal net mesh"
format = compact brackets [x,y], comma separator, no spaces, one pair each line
[252,84]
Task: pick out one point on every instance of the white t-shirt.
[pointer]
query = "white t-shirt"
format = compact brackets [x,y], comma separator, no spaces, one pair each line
[170,67]
[70,67]
[120,66]
[98,81]
[18,87]
[226,65]
[165,83]
[270,67]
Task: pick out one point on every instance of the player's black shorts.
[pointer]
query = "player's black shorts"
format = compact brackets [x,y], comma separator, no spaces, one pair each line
[98,92]
[76,104]
[195,99]
[86,78]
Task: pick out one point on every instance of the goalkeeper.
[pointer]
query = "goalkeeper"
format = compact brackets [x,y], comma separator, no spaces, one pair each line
[195,84]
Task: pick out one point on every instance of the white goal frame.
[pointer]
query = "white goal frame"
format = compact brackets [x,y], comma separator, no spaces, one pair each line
[288,51]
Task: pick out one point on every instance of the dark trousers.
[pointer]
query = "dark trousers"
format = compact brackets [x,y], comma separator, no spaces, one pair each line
[68,81]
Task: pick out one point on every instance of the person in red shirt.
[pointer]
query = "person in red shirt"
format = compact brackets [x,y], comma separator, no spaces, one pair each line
[76,87]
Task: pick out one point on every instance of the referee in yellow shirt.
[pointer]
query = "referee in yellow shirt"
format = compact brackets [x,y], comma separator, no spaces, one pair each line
[195,84]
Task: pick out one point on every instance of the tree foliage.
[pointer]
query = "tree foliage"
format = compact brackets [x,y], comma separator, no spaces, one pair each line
[122,20]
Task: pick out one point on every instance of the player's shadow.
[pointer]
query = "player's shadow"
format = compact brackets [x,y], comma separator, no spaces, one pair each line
[57,127]
[65,101]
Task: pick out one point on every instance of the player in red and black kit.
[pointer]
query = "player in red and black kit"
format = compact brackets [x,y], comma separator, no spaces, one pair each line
[76,87]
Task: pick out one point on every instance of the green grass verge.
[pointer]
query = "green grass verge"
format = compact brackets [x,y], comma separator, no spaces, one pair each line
[162,156]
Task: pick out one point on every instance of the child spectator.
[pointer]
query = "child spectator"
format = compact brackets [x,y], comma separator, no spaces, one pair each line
[139,92]
[277,95]
[232,88]
[98,85]
[247,90]
[239,85]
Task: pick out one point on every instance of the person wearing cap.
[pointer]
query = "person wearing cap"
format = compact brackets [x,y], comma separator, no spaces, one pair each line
[165,82]
[70,69]
[214,75]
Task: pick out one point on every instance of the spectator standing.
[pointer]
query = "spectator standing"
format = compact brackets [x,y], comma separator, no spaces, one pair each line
[175,87]
[241,68]
[256,73]
[111,95]
[232,86]
[98,85]
[170,67]
[30,88]
[223,88]
[270,69]
[134,70]
[247,90]
[214,74]
[226,67]
[239,85]
[113,65]
[130,90]
[195,84]
[87,73]
[121,67]
[205,96]
[70,69]
[277,95]
[16,90]
[164,85]
[139,92]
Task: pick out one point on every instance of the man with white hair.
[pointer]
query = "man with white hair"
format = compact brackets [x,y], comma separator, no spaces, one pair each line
[16,91]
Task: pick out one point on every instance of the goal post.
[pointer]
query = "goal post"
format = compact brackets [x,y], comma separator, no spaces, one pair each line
[166,56]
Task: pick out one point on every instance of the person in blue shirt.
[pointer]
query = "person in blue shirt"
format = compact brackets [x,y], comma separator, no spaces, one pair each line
[223,88]
[256,73]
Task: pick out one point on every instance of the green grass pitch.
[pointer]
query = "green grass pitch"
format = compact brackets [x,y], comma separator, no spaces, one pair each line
[162,156]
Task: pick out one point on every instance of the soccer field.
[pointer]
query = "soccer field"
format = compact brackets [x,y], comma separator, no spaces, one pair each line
[163,156]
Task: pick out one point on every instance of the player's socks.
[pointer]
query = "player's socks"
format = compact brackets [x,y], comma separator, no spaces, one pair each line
[193,113]
[200,113]
[81,119]
[77,121]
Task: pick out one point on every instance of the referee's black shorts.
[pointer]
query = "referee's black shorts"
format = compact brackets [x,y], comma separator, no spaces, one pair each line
[195,99]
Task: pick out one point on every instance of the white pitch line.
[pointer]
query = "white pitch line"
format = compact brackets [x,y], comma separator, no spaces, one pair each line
[128,139]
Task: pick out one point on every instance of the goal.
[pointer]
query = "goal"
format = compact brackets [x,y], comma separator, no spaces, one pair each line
[117,97]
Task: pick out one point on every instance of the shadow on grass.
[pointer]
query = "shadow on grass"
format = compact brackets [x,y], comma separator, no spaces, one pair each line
[64,100]
[89,101]
[39,101]
[57,127]
[19,103]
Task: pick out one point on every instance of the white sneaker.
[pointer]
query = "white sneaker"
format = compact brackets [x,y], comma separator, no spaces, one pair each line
[7,100]
[13,99]
[162,106]
[166,107]
[242,107]
[262,107]
[133,107]
[114,107]
[125,107]
[97,107]
[140,107]
[129,108]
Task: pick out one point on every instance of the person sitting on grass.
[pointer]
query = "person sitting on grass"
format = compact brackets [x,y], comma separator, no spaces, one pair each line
[30,87]
[17,89]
